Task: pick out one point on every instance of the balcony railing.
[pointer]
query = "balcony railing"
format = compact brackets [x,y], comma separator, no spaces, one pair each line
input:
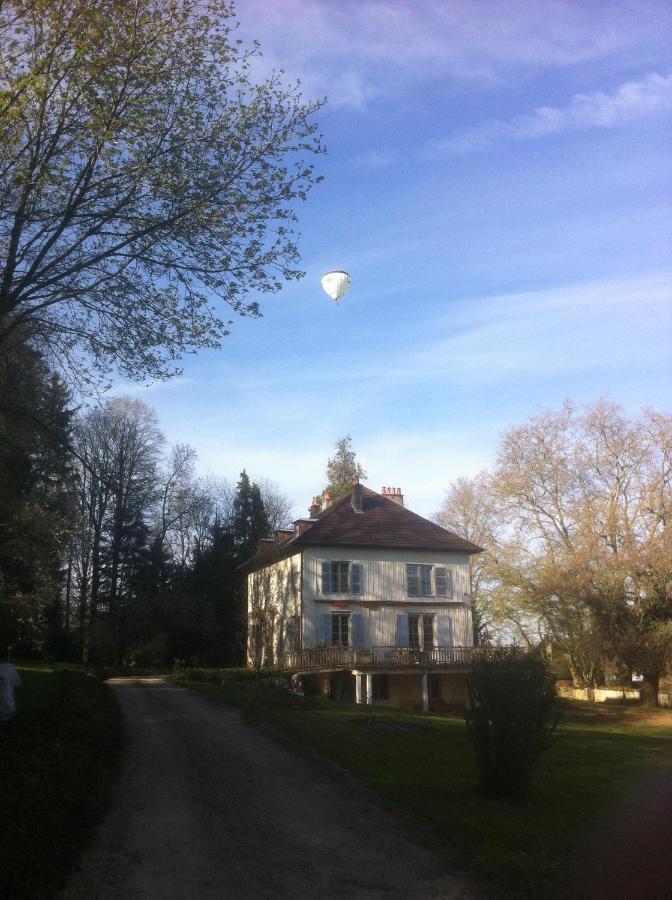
[384,657]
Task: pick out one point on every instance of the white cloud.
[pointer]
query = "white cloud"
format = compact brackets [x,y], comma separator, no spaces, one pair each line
[633,101]
[373,159]
[356,51]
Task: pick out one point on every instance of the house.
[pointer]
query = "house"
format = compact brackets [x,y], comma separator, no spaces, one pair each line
[365,599]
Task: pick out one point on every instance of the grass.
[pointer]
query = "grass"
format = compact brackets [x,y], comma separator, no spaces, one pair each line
[423,764]
[58,762]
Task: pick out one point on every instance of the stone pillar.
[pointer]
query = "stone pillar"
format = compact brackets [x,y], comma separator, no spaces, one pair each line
[425,692]
[358,688]
[369,689]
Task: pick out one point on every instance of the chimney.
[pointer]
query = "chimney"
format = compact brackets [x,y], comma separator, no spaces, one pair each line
[356,497]
[394,494]
[314,510]
[282,535]
[326,500]
[302,525]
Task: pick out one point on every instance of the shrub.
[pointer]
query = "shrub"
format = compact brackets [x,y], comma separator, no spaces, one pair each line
[511,719]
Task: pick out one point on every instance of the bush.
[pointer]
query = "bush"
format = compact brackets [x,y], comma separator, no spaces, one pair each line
[511,719]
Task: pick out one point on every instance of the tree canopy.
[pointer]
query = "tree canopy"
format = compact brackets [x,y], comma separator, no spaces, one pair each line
[146,179]
[575,518]
[343,468]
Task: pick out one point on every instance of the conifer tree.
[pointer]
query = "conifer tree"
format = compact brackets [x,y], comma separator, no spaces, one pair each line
[343,469]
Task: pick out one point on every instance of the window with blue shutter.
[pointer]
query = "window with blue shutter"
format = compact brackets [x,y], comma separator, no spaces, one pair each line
[339,577]
[418,580]
[441,581]
[326,629]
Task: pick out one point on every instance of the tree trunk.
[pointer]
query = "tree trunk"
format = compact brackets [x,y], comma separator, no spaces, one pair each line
[650,687]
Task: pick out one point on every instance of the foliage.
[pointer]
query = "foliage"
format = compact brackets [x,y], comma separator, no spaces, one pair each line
[58,763]
[144,174]
[343,469]
[35,426]
[575,520]
[511,719]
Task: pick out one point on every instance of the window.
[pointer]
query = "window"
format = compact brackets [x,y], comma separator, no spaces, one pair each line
[340,629]
[419,580]
[341,577]
[381,687]
[421,632]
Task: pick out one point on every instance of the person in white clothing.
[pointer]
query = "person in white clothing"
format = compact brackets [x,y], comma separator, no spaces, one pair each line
[9,679]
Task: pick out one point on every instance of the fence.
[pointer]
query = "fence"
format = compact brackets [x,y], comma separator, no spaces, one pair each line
[350,658]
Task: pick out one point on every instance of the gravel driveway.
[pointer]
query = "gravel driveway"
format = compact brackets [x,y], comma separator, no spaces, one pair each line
[210,807]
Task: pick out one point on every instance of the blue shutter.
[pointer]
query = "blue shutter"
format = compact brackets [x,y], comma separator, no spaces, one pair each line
[326,577]
[444,631]
[356,578]
[412,585]
[402,630]
[356,630]
[449,584]
[326,629]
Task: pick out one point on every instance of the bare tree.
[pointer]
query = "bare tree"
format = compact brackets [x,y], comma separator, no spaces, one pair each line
[469,509]
[575,518]
[118,448]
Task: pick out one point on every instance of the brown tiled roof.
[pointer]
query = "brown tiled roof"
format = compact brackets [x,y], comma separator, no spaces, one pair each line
[383,523]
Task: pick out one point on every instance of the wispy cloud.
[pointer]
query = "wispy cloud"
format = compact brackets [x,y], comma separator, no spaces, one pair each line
[373,159]
[357,50]
[566,331]
[633,101]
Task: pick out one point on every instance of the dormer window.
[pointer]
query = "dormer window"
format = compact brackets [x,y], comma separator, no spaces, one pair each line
[341,577]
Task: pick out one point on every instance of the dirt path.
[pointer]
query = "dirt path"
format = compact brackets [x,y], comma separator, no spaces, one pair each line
[209,807]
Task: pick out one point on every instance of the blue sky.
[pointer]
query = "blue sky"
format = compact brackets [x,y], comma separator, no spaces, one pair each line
[498,185]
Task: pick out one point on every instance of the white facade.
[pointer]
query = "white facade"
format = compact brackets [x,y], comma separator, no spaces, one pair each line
[384,595]
[294,607]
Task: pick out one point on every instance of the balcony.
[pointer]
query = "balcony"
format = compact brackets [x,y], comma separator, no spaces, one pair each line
[331,658]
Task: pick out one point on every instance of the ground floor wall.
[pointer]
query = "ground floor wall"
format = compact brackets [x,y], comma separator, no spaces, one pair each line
[446,691]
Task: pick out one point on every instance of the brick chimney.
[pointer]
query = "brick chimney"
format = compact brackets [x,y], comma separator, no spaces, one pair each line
[394,494]
[326,500]
[315,508]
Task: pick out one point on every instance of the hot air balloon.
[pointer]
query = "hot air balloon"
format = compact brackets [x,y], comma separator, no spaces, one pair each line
[336,284]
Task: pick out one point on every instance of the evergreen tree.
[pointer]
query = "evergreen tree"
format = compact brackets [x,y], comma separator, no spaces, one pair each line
[250,522]
[343,469]
[35,461]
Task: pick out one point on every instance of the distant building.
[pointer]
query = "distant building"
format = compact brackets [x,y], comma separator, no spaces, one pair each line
[368,600]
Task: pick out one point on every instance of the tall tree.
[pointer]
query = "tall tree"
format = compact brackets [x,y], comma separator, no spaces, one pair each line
[250,522]
[470,510]
[35,462]
[143,173]
[343,469]
[119,449]
[583,558]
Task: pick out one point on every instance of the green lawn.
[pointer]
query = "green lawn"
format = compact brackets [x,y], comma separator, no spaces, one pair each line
[429,771]
[58,761]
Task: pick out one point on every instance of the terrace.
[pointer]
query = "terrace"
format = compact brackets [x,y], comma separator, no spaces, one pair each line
[313,659]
